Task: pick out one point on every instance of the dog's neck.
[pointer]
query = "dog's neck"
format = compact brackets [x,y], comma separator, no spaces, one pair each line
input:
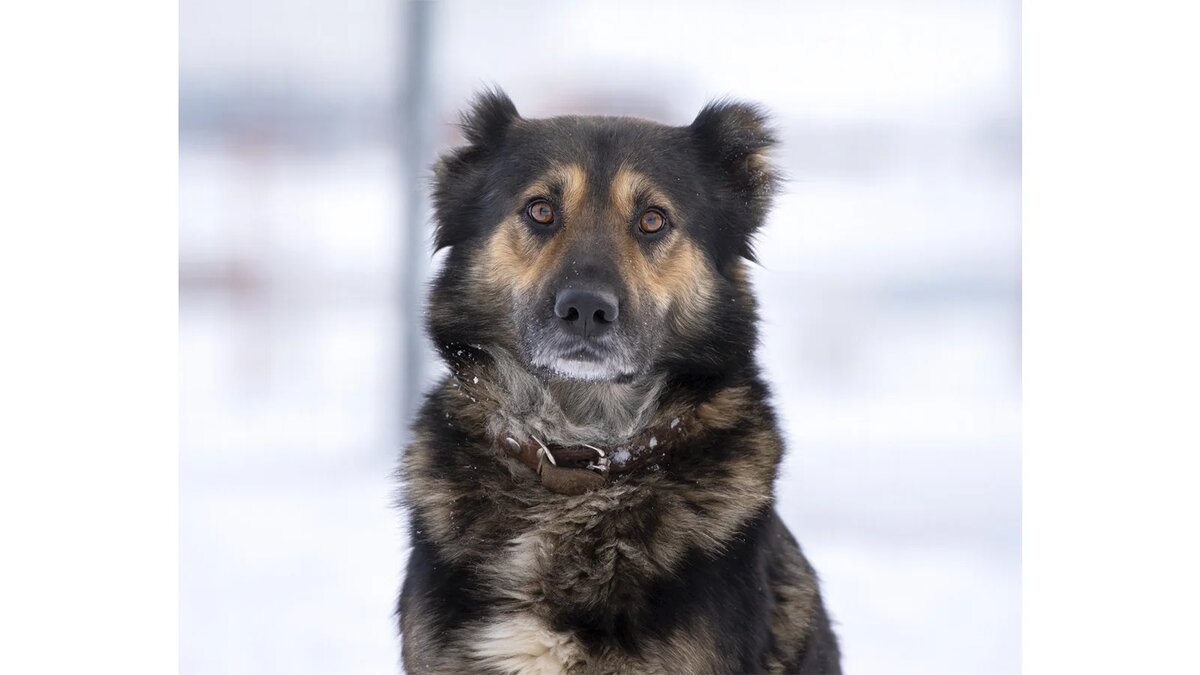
[567,412]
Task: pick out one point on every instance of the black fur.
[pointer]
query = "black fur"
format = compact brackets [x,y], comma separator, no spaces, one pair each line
[686,568]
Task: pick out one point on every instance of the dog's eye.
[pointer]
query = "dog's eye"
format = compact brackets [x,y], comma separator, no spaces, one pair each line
[541,212]
[653,221]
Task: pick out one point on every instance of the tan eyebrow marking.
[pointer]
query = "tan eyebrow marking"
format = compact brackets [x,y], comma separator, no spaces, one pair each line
[513,257]
[628,186]
[675,275]
[571,179]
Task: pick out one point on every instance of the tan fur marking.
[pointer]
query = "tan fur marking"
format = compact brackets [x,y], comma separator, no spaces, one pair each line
[689,650]
[510,259]
[685,279]
[513,258]
[676,274]
[725,409]
[628,185]
[570,179]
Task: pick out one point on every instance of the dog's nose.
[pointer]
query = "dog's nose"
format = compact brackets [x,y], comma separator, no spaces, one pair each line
[586,313]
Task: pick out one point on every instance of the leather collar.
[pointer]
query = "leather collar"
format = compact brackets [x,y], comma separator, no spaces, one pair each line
[574,470]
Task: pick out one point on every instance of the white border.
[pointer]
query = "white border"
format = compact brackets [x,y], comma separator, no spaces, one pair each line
[1111,311]
[88,304]
[88,489]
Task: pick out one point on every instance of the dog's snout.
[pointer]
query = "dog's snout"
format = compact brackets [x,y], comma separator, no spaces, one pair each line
[586,313]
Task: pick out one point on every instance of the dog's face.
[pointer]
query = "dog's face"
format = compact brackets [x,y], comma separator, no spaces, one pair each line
[599,248]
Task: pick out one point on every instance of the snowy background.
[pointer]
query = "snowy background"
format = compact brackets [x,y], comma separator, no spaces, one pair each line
[890,293]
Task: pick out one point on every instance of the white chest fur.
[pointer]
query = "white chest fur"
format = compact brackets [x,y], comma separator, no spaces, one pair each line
[522,643]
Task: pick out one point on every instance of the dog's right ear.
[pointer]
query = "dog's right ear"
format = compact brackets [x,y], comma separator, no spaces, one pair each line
[456,176]
[491,114]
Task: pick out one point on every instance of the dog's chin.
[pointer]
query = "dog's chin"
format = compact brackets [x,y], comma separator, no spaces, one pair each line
[561,357]
[582,367]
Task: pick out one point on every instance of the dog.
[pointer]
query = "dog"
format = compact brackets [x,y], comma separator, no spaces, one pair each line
[591,487]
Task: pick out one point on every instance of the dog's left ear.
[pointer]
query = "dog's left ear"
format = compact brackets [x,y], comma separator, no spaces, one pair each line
[736,137]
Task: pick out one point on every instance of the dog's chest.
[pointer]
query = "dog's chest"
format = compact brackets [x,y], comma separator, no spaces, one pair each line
[588,551]
[578,558]
[517,636]
[521,642]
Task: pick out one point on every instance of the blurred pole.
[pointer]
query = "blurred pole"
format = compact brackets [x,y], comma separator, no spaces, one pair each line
[414,146]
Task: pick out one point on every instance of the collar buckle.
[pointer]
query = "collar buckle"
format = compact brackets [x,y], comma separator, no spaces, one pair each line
[602,462]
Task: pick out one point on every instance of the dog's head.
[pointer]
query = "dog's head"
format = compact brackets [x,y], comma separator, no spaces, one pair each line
[601,248]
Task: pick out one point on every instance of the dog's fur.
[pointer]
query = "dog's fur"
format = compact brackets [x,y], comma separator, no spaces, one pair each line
[684,568]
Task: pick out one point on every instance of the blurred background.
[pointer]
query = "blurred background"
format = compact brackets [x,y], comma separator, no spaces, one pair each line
[889,284]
